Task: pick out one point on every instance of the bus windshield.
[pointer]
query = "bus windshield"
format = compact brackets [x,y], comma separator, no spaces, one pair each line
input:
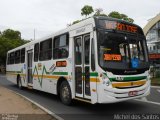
[122,51]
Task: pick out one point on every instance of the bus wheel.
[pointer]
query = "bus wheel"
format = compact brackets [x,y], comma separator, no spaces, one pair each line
[65,93]
[19,83]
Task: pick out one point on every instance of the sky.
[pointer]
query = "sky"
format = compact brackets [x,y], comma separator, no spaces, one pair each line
[49,16]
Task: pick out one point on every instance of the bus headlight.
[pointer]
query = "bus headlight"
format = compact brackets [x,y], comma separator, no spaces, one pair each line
[106,81]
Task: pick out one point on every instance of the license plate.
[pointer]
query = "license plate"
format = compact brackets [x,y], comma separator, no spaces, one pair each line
[132,93]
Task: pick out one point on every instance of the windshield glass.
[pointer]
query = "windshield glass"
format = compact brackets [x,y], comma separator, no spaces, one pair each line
[121,51]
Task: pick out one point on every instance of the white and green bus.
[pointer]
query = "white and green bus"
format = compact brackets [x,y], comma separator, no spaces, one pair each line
[98,60]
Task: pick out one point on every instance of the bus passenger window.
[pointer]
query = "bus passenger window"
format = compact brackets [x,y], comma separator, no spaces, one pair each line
[17,56]
[78,51]
[45,50]
[8,59]
[92,56]
[22,55]
[36,52]
[87,48]
[60,46]
[12,58]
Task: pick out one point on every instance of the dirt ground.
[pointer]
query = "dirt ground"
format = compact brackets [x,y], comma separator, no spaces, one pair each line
[13,105]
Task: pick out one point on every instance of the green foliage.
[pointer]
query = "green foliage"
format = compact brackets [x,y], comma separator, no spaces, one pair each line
[9,39]
[117,15]
[157,73]
[87,10]
[11,34]
[124,16]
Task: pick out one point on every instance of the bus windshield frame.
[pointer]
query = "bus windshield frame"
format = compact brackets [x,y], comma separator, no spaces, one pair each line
[111,56]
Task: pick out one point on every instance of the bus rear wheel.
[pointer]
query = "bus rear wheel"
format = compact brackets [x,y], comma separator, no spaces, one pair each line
[65,93]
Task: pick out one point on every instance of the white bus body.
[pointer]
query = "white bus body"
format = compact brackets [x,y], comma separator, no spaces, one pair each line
[72,55]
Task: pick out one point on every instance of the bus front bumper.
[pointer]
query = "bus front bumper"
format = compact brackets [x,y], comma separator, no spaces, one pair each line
[112,95]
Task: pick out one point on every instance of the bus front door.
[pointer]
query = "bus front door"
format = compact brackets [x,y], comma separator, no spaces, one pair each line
[29,67]
[82,67]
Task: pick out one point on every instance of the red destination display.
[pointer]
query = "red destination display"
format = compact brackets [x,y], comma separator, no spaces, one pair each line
[154,56]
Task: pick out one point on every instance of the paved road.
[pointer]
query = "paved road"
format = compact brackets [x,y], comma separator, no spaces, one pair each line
[155,95]
[85,111]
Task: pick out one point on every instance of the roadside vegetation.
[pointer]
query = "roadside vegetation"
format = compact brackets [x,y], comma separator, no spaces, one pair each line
[155,76]
[9,39]
[155,81]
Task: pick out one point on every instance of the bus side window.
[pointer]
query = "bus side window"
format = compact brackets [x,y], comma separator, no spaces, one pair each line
[8,59]
[17,56]
[78,51]
[46,50]
[36,52]
[92,56]
[22,55]
[12,58]
[61,46]
[87,48]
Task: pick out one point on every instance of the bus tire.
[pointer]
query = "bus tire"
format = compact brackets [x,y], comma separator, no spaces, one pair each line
[19,83]
[65,93]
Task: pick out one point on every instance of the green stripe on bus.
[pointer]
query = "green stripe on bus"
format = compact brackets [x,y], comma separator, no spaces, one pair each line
[60,73]
[15,71]
[94,74]
[130,78]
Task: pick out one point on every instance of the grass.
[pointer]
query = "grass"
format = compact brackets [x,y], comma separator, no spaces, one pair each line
[155,81]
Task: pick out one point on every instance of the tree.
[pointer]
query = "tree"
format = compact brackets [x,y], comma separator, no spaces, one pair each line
[117,15]
[87,10]
[99,12]
[124,16]
[9,39]
[11,34]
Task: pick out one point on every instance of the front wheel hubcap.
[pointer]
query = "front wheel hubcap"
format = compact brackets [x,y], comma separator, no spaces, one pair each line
[65,93]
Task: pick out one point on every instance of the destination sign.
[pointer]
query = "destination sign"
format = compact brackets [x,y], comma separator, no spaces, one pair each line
[154,56]
[116,25]
[113,57]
